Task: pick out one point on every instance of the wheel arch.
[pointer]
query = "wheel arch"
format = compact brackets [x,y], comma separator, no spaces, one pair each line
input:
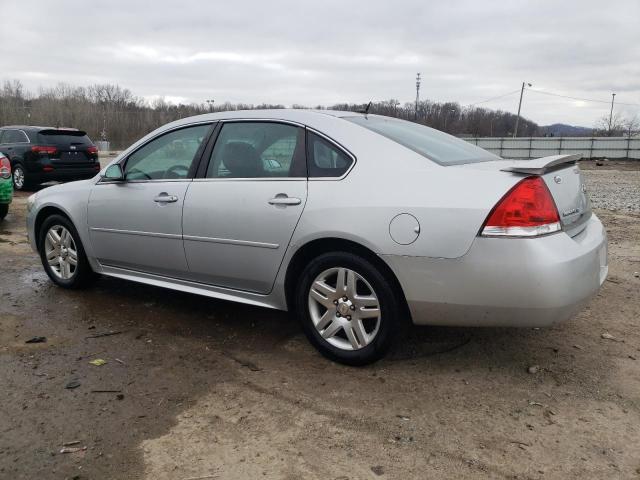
[43,214]
[319,246]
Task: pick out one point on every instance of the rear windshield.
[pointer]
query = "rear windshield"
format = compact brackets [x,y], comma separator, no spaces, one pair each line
[64,137]
[428,142]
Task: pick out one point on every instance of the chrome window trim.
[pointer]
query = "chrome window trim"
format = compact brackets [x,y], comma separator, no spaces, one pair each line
[250,179]
[339,147]
[104,181]
[25,136]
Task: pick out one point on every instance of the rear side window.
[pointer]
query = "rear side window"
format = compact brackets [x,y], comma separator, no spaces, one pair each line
[64,138]
[324,159]
[428,142]
[258,150]
[14,136]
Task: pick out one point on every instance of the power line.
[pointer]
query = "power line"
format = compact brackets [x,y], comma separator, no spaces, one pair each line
[493,98]
[581,99]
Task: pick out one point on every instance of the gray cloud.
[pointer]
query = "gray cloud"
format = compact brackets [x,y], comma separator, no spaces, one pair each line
[325,52]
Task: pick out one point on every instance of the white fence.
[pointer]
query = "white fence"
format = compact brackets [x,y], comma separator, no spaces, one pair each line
[535,147]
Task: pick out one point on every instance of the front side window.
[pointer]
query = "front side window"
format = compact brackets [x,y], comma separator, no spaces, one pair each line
[257,150]
[167,157]
[325,159]
[440,147]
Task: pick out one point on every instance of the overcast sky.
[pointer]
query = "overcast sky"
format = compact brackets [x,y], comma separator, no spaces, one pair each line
[333,51]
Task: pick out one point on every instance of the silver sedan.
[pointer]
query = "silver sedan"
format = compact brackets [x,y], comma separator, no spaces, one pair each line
[360,224]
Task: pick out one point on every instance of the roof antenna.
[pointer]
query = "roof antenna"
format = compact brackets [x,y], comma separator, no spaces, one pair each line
[366,110]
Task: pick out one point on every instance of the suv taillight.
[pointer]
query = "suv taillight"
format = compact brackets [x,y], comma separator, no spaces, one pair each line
[92,150]
[5,167]
[527,210]
[44,150]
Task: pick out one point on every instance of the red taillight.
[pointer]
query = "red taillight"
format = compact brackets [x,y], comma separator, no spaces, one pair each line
[527,210]
[92,150]
[47,168]
[5,167]
[43,150]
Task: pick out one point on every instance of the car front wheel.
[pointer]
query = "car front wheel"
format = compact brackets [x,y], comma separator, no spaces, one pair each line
[62,253]
[349,310]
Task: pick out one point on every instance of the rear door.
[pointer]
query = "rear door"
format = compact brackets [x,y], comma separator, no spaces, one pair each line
[137,224]
[240,216]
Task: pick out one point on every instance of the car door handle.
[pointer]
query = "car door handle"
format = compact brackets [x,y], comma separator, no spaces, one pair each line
[283,199]
[164,198]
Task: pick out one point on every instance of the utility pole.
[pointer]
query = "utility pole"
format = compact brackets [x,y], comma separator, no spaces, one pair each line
[417,95]
[515,133]
[613,97]
[211,101]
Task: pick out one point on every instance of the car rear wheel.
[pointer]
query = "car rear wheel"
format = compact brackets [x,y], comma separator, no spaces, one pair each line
[4,209]
[62,254]
[349,310]
[19,178]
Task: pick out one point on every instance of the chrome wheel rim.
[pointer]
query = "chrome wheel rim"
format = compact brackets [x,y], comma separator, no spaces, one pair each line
[18,177]
[61,252]
[344,308]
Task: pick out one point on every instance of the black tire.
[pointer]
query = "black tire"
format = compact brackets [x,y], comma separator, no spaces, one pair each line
[26,184]
[4,209]
[83,275]
[390,321]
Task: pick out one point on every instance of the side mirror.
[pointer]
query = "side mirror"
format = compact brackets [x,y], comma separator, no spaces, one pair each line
[114,173]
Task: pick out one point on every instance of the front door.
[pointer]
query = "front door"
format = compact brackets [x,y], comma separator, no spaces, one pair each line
[239,219]
[137,224]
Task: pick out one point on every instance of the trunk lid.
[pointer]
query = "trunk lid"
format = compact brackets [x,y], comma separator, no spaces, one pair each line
[72,146]
[562,176]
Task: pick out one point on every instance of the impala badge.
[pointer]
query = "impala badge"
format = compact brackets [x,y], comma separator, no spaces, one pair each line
[573,211]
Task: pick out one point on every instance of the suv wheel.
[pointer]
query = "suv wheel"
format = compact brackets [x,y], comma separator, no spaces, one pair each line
[349,311]
[19,177]
[62,253]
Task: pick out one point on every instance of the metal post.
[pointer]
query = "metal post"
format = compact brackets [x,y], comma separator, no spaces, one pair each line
[515,132]
[417,95]
[613,97]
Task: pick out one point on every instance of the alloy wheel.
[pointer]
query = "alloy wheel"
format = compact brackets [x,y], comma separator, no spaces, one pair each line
[18,178]
[61,252]
[344,308]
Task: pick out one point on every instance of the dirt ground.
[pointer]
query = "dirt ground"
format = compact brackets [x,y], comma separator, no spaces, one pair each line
[208,389]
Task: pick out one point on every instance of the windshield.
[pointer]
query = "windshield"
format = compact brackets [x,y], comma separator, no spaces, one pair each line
[428,142]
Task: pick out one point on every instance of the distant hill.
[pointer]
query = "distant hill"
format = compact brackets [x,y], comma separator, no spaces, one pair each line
[564,130]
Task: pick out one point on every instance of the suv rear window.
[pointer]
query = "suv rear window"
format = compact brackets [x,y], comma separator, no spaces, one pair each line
[64,137]
[440,147]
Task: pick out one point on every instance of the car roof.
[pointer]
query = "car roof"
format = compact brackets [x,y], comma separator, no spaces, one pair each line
[304,116]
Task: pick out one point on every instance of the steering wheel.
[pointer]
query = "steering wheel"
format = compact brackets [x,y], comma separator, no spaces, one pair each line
[135,171]
[174,171]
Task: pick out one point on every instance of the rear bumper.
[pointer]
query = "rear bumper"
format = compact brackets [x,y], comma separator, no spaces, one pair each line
[63,174]
[506,281]
[6,191]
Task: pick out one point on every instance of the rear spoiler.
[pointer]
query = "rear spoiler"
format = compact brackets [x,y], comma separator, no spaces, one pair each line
[540,166]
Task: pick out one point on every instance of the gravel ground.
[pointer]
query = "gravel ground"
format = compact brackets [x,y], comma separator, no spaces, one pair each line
[614,189]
